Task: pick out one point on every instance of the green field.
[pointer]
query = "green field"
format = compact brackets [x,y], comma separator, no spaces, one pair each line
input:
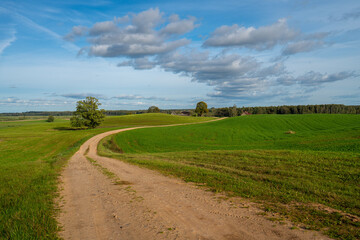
[31,156]
[310,177]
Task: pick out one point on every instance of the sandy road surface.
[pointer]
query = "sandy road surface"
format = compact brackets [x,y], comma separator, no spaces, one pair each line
[152,206]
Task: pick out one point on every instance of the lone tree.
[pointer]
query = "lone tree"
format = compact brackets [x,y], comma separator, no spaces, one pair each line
[153,109]
[50,118]
[87,113]
[201,108]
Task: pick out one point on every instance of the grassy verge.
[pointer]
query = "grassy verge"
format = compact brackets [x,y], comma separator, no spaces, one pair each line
[310,177]
[32,154]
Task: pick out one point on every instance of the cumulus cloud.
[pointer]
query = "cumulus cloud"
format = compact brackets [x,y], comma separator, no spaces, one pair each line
[237,77]
[138,63]
[204,68]
[134,49]
[315,78]
[178,26]
[260,38]
[286,80]
[231,74]
[143,36]
[306,43]
[302,46]
[101,28]
[77,31]
[266,37]
[149,39]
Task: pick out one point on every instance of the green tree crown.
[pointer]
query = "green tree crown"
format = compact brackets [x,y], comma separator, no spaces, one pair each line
[153,109]
[201,108]
[87,113]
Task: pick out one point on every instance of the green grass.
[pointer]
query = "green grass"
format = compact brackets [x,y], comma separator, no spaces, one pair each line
[311,177]
[313,132]
[31,156]
[28,118]
[152,119]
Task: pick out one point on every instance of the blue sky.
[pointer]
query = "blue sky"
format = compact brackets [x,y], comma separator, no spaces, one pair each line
[172,54]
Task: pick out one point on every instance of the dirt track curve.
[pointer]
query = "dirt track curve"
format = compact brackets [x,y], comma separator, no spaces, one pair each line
[152,206]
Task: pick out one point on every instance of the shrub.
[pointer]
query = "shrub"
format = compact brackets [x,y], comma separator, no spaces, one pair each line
[50,118]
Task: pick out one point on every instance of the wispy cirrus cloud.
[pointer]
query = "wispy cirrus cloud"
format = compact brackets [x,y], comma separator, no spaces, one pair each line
[6,42]
[30,23]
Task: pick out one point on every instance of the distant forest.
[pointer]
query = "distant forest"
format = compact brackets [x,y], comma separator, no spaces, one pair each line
[221,112]
[299,109]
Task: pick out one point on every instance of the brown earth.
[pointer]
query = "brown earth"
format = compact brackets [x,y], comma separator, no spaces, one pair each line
[148,205]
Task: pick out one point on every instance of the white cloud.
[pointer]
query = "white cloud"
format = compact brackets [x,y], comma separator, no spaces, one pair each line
[147,40]
[4,43]
[266,37]
[138,63]
[302,46]
[77,31]
[138,97]
[231,75]
[315,79]
[261,38]
[143,36]
[30,23]
[178,26]
[306,43]
[37,102]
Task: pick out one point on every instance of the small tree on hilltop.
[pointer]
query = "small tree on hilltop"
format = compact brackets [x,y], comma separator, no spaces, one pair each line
[87,113]
[201,108]
[153,109]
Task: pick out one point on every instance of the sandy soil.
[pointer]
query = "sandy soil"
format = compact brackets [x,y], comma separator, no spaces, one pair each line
[149,205]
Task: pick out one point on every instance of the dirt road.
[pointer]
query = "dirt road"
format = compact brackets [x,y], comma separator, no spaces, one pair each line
[149,205]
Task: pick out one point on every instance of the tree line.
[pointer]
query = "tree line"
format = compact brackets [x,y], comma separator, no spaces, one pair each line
[286,109]
[219,112]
